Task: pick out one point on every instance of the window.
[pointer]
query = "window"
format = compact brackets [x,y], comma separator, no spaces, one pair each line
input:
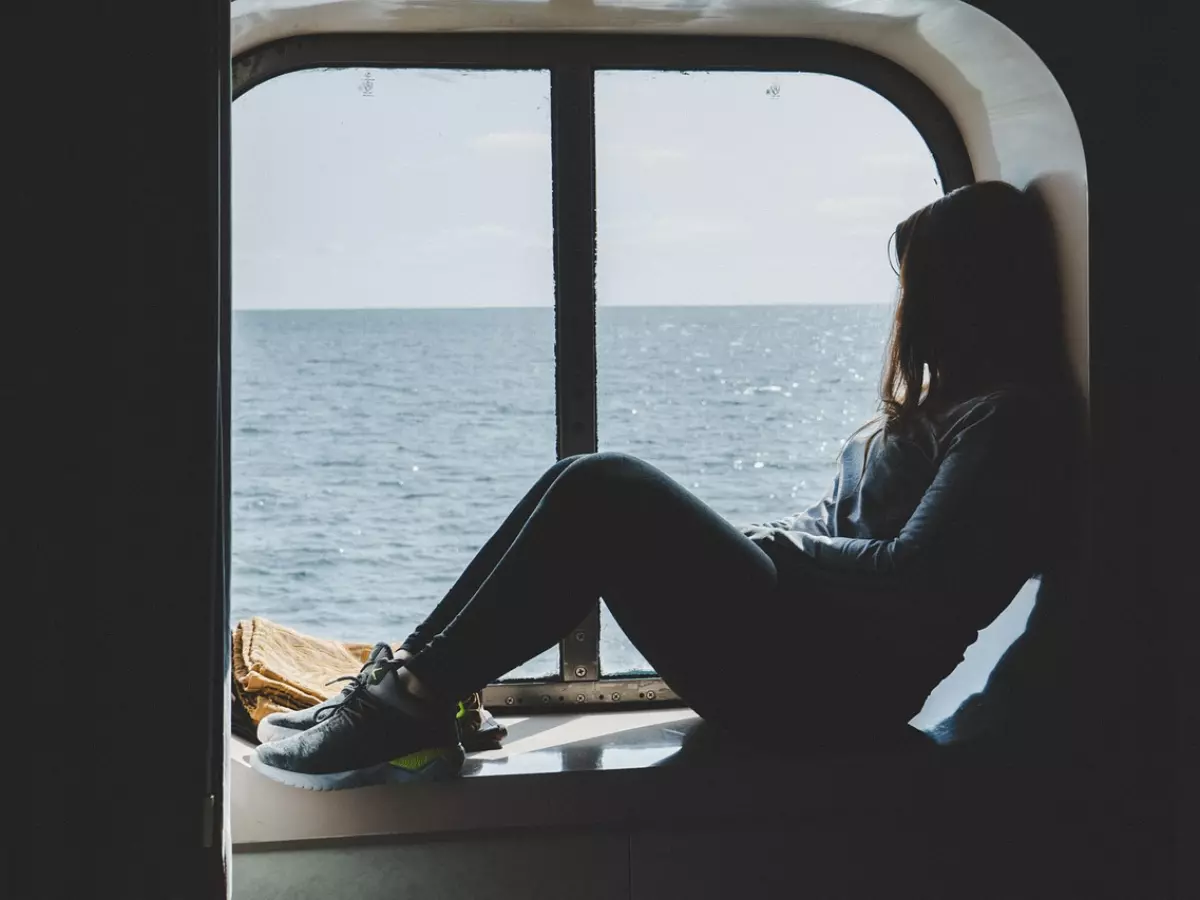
[393,334]
[742,279]
[411,246]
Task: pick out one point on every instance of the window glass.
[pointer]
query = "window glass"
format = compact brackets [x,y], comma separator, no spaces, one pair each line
[393,378]
[743,279]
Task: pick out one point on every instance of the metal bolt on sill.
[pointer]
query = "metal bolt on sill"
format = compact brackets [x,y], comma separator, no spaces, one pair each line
[581,672]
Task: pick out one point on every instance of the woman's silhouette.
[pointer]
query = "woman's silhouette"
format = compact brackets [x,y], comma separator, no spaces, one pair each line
[940,509]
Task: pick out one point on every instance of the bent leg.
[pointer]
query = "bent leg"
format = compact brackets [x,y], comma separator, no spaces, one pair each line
[484,561]
[608,524]
[678,578]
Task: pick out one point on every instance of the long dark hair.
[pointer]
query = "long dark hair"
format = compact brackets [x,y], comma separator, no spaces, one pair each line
[980,303]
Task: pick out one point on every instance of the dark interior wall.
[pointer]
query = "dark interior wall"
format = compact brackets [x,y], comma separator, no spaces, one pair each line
[1124,642]
[111,118]
[109,389]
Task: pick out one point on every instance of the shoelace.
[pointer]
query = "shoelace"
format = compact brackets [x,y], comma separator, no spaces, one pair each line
[347,693]
[357,700]
[354,678]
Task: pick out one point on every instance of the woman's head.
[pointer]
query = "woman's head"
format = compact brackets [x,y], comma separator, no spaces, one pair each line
[979,305]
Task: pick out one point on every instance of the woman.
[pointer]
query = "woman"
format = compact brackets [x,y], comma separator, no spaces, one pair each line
[860,605]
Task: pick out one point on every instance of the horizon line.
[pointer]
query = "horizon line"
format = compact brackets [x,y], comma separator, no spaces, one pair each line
[551,308]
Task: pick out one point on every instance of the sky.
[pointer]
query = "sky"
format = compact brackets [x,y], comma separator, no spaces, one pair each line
[356,188]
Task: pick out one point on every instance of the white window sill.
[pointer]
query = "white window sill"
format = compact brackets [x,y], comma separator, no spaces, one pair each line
[579,771]
[262,811]
[598,769]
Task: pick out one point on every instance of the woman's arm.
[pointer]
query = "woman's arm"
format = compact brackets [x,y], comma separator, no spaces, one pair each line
[977,496]
[812,519]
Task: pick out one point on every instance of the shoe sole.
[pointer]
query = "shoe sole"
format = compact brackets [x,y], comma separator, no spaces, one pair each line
[446,764]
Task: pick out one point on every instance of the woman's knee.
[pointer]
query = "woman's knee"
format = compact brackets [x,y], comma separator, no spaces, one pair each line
[556,471]
[567,461]
[607,470]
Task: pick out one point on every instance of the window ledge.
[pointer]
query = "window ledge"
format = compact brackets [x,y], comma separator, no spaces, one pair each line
[593,770]
[598,769]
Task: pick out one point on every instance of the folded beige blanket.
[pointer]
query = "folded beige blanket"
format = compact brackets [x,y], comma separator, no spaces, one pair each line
[277,669]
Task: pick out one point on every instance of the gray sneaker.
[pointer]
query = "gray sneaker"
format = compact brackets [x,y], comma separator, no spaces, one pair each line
[378,735]
[278,726]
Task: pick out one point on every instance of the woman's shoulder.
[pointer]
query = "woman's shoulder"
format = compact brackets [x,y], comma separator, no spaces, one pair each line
[1017,414]
[1009,414]
[1009,403]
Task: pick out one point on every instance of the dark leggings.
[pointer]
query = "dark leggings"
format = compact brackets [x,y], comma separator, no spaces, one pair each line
[688,588]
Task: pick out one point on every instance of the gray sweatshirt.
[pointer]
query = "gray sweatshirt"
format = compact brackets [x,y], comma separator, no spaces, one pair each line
[955,513]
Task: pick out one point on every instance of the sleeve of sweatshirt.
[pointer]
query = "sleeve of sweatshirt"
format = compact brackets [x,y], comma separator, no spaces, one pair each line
[972,499]
[812,519]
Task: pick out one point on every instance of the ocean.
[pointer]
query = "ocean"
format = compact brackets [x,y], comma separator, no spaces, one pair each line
[374,451]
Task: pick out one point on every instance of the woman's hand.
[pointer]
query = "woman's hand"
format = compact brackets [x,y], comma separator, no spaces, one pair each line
[758,532]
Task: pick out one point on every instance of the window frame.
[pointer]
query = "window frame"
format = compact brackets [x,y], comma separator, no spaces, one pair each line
[572,61]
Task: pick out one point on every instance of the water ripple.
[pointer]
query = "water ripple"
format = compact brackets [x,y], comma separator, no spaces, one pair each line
[374,453]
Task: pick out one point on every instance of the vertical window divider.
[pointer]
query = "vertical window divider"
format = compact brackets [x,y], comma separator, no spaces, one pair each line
[573,180]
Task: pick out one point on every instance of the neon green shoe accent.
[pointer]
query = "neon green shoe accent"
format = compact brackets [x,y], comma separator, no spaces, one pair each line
[414,762]
[462,710]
